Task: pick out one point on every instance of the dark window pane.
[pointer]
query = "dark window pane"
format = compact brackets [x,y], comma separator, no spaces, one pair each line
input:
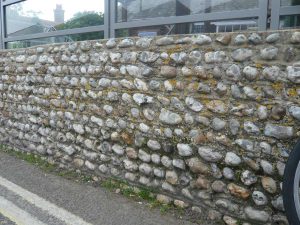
[187,28]
[130,10]
[229,5]
[289,2]
[36,16]
[292,21]
[198,27]
[235,25]
[58,39]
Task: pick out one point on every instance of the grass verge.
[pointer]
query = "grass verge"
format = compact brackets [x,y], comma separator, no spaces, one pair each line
[113,185]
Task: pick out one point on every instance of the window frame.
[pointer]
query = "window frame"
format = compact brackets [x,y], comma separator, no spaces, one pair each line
[99,28]
[277,11]
[111,25]
[260,13]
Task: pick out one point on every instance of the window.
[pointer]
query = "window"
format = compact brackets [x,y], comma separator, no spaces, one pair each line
[289,2]
[36,16]
[56,39]
[291,21]
[130,10]
[230,5]
[190,28]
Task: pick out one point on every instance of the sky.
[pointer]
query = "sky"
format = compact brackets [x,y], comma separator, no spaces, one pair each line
[46,7]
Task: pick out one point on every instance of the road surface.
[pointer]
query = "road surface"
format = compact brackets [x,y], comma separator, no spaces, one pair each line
[29,196]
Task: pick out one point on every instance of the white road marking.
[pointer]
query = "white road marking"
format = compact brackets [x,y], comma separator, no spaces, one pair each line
[43,204]
[17,215]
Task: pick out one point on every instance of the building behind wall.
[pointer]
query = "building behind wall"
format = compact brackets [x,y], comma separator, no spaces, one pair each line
[142,18]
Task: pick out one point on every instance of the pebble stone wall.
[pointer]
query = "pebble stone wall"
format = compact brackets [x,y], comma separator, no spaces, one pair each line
[207,120]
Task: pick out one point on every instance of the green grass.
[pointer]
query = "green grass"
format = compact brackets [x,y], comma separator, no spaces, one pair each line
[110,184]
[164,208]
[30,158]
[146,195]
[128,191]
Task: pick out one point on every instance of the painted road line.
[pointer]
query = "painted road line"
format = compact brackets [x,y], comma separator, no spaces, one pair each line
[17,215]
[43,204]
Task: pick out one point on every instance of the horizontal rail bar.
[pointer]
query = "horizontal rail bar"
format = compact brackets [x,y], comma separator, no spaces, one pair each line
[9,2]
[56,33]
[250,13]
[289,10]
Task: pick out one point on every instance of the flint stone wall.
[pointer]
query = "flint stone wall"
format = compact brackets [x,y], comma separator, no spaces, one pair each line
[207,119]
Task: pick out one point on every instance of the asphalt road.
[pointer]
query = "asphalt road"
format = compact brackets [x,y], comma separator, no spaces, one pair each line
[5,221]
[28,196]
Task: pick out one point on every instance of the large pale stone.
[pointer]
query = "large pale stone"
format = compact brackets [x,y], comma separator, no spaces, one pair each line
[184,149]
[295,39]
[209,154]
[241,54]
[250,72]
[141,99]
[269,184]
[125,43]
[232,159]
[215,57]
[217,106]
[248,178]
[202,40]
[144,42]
[148,57]
[168,71]
[245,144]
[233,72]
[197,166]
[256,215]
[295,112]
[294,73]
[238,191]
[240,39]
[78,128]
[273,38]
[272,73]
[224,38]
[193,104]
[179,57]
[119,150]
[259,198]
[154,145]
[269,53]
[171,177]
[169,117]
[255,38]
[111,43]
[165,41]
[279,132]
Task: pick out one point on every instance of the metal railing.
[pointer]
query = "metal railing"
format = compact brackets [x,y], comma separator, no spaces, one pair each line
[278,11]
[265,9]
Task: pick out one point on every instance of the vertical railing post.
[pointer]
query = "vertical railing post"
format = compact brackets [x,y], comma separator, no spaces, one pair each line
[275,14]
[113,9]
[263,15]
[106,19]
[2,24]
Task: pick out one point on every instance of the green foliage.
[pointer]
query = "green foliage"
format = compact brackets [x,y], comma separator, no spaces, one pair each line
[84,19]
[164,208]
[122,33]
[110,184]
[146,195]
[292,20]
[30,158]
[295,2]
